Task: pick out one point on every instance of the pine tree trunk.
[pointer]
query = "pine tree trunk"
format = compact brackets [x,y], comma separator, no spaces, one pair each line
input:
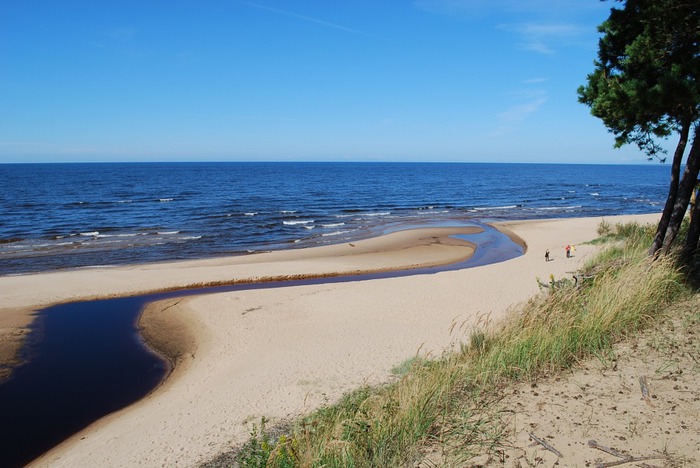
[690,248]
[672,190]
[685,190]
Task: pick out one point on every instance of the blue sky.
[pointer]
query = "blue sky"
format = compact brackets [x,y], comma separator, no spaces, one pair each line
[360,80]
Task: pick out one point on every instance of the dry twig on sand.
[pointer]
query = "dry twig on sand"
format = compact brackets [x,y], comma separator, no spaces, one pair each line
[545,445]
[625,458]
[611,451]
[628,460]
[645,390]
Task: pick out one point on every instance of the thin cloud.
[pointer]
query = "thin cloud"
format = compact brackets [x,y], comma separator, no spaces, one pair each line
[495,7]
[317,21]
[536,80]
[528,101]
[509,119]
[539,37]
[520,112]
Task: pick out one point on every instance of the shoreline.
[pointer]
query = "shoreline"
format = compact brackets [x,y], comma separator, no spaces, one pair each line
[266,359]
[403,250]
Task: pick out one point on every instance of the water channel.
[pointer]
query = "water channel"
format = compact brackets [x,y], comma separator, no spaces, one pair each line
[85,360]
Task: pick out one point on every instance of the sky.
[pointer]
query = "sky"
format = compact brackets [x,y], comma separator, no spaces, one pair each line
[323,80]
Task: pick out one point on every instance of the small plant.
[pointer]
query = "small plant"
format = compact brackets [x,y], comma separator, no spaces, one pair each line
[553,283]
[262,451]
[604,229]
[406,366]
[257,450]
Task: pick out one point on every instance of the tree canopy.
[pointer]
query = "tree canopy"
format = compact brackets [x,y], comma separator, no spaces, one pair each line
[646,86]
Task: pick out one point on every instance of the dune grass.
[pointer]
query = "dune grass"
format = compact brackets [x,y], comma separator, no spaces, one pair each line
[436,403]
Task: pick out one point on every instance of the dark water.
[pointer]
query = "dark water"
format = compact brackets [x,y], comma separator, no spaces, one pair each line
[70,215]
[86,359]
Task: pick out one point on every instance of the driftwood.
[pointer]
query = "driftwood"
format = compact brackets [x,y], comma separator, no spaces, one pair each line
[624,458]
[611,451]
[545,445]
[629,460]
[645,390]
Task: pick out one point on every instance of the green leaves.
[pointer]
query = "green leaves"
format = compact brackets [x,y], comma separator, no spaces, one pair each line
[645,84]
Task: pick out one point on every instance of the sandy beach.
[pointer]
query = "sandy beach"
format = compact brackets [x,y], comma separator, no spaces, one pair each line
[281,352]
[24,294]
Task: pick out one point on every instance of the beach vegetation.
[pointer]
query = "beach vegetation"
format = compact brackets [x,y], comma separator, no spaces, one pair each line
[264,449]
[645,87]
[406,366]
[448,405]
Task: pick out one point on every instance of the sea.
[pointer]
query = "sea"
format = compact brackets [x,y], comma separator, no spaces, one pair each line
[58,216]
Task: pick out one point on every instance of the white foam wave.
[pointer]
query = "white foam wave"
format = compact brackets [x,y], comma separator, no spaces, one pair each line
[336,233]
[310,227]
[550,208]
[594,194]
[167,233]
[288,211]
[332,225]
[383,213]
[490,208]
[163,200]
[90,234]
[115,235]
[250,214]
[294,223]
[41,246]
[110,242]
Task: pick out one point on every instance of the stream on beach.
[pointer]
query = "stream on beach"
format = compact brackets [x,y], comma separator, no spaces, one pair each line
[85,360]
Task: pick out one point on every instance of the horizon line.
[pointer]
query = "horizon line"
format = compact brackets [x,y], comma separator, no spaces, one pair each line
[334,161]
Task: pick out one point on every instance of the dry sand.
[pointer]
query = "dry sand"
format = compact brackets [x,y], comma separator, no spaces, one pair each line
[602,401]
[597,414]
[280,352]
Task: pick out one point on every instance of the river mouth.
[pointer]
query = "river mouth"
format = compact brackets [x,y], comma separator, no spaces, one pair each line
[85,360]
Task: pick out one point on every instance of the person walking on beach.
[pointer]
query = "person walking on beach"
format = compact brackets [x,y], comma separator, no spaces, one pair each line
[546,255]
[568,251]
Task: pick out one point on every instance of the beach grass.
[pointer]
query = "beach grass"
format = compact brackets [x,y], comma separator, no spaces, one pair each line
[447,404]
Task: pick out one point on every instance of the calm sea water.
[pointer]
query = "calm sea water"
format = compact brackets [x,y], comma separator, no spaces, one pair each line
[71,215]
